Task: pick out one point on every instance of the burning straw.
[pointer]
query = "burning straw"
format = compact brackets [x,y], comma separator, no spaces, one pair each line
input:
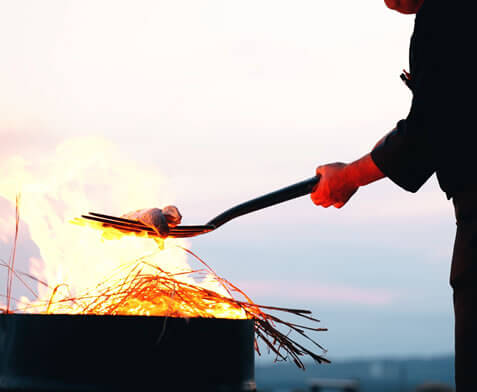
[143,288]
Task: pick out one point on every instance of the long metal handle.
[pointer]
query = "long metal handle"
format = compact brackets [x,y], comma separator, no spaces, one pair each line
[291,192]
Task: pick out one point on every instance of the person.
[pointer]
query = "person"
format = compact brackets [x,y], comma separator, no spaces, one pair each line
[437,136]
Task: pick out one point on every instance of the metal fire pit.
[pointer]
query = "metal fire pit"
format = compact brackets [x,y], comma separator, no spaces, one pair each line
[117,353]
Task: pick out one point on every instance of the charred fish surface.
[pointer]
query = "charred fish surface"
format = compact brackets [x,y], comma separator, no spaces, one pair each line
[173,216]
[157,219]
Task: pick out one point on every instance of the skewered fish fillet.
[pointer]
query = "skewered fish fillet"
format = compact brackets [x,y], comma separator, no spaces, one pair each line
[158,219]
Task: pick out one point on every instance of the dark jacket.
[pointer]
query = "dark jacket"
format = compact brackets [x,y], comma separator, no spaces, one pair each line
[439,134]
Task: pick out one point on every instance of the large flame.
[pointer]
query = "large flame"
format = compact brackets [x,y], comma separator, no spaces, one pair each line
[83,262]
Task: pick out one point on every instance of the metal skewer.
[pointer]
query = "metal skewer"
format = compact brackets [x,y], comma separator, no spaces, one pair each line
[291,192]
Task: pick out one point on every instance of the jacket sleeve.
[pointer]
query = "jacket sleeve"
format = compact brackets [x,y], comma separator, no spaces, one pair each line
[407,155]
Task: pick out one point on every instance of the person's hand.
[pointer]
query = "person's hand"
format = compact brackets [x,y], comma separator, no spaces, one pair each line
[160,220]
[336,186]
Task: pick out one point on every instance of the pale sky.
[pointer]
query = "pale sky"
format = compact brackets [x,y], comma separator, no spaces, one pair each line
[229,100]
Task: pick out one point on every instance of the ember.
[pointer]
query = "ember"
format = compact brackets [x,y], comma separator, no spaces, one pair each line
[158,283]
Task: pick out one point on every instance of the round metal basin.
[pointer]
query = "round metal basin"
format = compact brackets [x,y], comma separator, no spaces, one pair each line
[116,353]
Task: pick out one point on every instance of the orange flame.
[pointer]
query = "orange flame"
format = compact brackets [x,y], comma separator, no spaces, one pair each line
[88,173]
[73,258]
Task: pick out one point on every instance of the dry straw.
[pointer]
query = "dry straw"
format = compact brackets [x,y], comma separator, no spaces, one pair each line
[166,294]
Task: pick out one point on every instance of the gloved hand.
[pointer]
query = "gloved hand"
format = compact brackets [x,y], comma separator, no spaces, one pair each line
[336,185]
[160,220]
[340,181]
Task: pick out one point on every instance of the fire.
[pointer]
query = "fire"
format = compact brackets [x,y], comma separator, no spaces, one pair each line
[88,269]
[95,270]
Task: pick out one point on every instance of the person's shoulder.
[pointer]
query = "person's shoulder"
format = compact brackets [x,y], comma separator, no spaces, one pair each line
[449,24]
[448,13]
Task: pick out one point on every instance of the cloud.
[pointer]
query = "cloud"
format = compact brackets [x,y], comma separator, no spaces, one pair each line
[329,293]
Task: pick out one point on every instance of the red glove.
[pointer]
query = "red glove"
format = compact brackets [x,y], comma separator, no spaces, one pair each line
[340,181]
[336,185]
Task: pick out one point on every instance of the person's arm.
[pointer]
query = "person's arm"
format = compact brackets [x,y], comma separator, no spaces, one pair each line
[340,181]
[410,153]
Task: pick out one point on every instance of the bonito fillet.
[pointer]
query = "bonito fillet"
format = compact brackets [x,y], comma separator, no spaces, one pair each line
[158,219]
